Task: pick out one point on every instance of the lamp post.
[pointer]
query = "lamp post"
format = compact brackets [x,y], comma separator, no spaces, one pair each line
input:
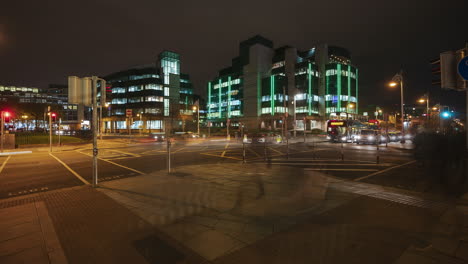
[426,100]
[198,119]
[108,114]
[348,107]
[294,109]
[398,79]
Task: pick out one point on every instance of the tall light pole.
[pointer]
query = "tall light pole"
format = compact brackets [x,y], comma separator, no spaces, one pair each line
[2,130]
[398,79]
[50,128]
[198,119]
[294,109]
[426,100]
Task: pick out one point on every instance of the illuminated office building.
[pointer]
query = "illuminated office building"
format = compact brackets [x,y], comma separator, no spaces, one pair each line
[264,86]
[159,96]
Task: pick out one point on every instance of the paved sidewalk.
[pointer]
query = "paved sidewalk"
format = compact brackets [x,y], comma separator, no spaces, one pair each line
[90,227]
[27,235]
[250,213]
[216,210]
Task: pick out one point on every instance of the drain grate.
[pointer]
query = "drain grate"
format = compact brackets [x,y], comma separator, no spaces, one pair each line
[156,251]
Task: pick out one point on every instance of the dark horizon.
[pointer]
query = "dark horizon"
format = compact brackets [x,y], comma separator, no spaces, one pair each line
[47,42]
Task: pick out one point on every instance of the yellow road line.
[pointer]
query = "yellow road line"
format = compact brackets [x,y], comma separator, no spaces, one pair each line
[179,150]
[276,150]
[382,171]
[4,163]
[225,157]
[254,152]
[116,164]
[70,169]
[126,153]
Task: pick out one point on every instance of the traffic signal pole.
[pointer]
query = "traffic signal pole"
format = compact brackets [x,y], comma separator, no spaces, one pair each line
[2,130]
[94,126]
[50,128]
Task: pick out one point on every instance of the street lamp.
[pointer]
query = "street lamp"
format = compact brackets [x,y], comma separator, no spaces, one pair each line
[426,100]
[198,119]
[398,79]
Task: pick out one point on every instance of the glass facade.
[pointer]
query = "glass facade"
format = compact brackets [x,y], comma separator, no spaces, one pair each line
[225,98]
[151,91]
[341,88]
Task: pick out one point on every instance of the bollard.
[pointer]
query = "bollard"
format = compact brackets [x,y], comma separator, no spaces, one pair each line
[265,150]
[243,152]
[378,159]
[342,151]
[169,155]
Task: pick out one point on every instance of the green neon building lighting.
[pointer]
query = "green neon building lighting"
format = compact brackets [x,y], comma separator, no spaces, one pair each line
[209,98]
[272,94]
[327,90]
[338,86]
[219,102]
[229,97]
[309,95]
[349,88]
[357,105]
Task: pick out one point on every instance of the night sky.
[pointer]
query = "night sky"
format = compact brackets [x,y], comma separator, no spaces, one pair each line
[43,42]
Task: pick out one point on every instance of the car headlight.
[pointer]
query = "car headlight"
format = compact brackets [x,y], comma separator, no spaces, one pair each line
[370,138]
[156,137]
[328,137]
[343,138]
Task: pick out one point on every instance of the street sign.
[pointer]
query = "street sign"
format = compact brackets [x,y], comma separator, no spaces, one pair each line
[463,68]
[128,112]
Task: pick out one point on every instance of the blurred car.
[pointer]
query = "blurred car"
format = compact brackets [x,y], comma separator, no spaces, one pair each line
[368,136]
[393,136]
[259,138]
[158,137]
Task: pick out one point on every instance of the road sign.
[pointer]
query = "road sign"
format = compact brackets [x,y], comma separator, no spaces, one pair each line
[463,68]
[129,112]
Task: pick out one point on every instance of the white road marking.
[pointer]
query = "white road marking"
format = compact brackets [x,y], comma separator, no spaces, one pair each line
[15,153]
[4,163]
[70,169]
[116,164]
[310,169]
[331,164]
[382,171]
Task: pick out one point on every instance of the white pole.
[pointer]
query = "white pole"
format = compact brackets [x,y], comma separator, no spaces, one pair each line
[50,128]
[95,128]
[294,109]
[3,127]
[402,111]
[60,124]
[198,120]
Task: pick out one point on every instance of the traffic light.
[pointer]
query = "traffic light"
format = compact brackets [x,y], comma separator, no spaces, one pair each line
[445,114]
[7,117]
[54,117]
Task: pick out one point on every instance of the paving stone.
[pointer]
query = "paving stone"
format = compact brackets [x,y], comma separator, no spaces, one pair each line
[462,251]
[412,258]
[219,244]
[447,245]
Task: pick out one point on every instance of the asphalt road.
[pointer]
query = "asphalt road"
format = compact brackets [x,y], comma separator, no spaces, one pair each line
[66,167]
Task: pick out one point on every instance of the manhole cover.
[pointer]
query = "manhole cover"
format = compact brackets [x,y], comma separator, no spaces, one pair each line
[156,251]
